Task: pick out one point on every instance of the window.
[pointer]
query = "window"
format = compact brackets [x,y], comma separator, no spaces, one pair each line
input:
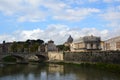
[118,45]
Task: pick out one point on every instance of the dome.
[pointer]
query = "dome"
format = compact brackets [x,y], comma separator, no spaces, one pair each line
[70,39]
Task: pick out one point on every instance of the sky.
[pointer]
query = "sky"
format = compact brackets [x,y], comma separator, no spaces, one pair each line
[57,19]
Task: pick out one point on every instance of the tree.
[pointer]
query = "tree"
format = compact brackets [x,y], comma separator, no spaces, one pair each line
[34,47]
[14,47]
[63,48]
[40,41]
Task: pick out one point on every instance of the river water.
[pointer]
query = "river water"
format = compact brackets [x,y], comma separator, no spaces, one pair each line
[53,72]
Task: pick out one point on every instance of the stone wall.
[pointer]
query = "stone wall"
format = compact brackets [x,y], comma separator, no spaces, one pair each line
[100,56]
[53,56]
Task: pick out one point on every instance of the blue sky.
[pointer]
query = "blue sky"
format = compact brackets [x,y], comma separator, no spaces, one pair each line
[57,19]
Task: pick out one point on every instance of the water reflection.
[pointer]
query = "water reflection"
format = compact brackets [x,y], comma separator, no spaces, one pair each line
[53,72]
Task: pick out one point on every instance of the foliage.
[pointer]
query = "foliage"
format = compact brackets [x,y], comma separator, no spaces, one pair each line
[34,47]
[35,41]
[63,48]
[28,45]
[9,59]
[14,47]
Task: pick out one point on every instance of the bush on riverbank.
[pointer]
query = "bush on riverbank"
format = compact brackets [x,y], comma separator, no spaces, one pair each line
[9,59]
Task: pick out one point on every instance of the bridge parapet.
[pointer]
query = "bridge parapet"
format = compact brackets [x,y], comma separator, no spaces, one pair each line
[23,55]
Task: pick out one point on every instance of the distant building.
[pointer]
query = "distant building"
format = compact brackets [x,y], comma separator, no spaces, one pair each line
[112,44]
[69,41]
[87,43]
[102,45]
[5,47]
[50,46]
[41,48]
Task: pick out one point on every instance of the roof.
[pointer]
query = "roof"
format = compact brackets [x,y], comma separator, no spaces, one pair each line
[113,39]
[70,39]
[78,40]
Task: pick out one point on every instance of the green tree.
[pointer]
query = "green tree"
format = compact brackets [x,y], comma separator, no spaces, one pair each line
[63,48]
[34,47]
[14,47]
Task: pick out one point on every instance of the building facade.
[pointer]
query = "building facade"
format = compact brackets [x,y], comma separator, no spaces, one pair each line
[5,47]
[58,56]
[112,44]
[50,46]
[87,43]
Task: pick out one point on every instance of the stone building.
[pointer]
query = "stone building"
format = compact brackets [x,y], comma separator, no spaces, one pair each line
[87,43]
[102,45]
[5,47]
[112,44]
[41,48]
[50,46]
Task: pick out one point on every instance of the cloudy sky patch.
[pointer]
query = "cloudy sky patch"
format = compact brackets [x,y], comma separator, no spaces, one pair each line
[57,19]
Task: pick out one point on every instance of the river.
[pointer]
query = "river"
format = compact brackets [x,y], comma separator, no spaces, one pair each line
[53,72]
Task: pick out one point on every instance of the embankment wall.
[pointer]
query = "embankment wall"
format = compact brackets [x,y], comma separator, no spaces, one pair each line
[98,56]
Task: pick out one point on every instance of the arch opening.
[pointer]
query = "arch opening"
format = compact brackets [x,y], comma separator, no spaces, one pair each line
[42,58]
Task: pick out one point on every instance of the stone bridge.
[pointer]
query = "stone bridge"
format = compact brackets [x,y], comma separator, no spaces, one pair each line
[25,57]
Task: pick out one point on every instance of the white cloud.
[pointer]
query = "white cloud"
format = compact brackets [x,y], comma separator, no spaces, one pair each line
[112,16]
[39,10]
[32,17]
[75,14]
[7,37]
[57,32]
[10,7]
[30,10]
[24,10]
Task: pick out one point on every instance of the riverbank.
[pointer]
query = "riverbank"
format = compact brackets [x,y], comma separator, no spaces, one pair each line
[114,68]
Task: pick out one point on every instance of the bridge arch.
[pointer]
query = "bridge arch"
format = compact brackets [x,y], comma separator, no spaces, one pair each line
[17,58]
[42,58]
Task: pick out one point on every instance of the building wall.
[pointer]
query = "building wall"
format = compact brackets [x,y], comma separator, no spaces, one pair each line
[77,47]
[102,45]
[86,43]
[55,56]
[112,44]
[50,46]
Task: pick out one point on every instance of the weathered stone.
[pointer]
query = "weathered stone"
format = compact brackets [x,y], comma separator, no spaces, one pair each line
[99,56]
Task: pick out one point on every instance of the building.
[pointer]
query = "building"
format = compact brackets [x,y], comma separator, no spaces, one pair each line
[50,46]
[41,48]
[112,44]
[102,45]
[5,47]
[87,43]
[69,41]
